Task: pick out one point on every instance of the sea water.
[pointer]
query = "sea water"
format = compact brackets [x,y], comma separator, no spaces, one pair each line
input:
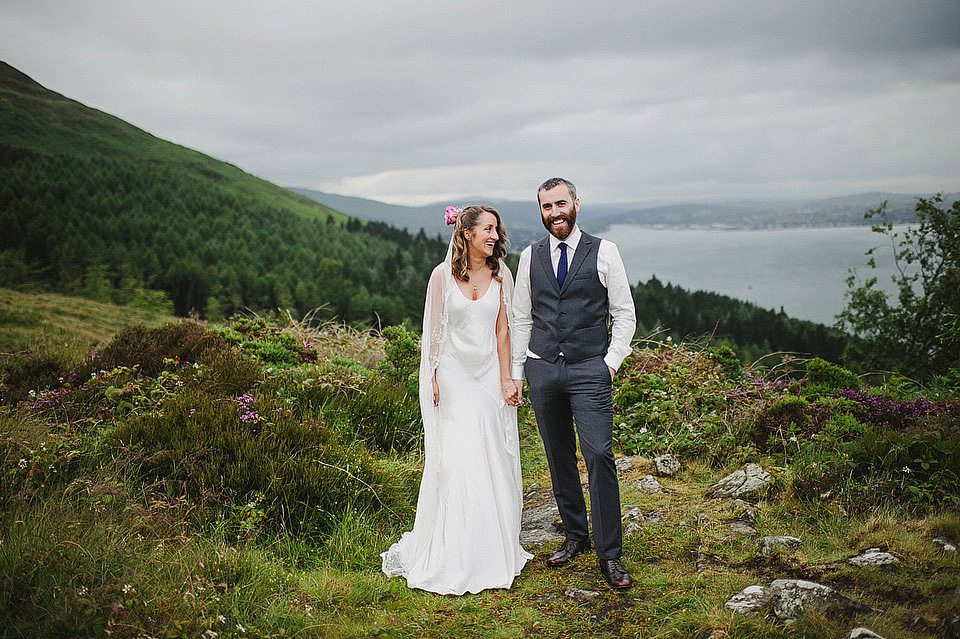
[801,270]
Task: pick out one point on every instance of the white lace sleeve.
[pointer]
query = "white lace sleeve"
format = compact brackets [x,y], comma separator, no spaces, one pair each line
[507,287]
[431,347]
[434,319]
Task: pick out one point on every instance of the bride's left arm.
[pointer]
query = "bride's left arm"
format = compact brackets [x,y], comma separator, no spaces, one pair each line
[507,384]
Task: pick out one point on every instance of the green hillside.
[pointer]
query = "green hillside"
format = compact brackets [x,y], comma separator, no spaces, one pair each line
[93,206]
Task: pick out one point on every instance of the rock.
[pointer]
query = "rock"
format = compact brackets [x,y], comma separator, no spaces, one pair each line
[945,544]
[533,490]
[581,595]
[650,486]
[874,557]
[538,537]
[667,465]
[792,598]
[540,525]
[743,510]
[740,527]
[772,544]
[633,518]
[633,514]
[625,464]
[750,483]
[864,633]
[749,601]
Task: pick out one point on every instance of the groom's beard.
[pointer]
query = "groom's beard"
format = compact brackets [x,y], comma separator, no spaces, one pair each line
[563,231]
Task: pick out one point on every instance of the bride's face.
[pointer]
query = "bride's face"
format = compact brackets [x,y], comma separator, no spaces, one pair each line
[483,236]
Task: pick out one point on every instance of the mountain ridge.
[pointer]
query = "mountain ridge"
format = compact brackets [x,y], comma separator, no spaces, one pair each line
[523,223]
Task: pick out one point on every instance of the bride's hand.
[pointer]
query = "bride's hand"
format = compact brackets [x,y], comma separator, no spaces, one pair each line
[436,390]
[511,392]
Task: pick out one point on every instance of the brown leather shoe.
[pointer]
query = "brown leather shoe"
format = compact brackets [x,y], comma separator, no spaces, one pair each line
[615,574]
[568,551]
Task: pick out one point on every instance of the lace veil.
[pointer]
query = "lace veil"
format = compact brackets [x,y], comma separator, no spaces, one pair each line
[439,288]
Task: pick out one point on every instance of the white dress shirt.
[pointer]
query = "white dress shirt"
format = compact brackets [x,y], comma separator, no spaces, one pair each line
[613,276]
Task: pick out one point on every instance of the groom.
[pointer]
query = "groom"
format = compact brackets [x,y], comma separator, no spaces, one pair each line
[567,284]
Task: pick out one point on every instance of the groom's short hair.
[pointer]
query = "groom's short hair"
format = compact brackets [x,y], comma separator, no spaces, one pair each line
[557,181]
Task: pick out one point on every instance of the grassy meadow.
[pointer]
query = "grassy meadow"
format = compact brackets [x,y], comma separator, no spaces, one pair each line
[172,478]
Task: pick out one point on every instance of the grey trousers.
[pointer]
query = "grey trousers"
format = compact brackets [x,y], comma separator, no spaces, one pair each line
[564,395]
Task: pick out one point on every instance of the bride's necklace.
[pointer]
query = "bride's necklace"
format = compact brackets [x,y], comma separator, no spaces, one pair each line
[470,270]
[474,289]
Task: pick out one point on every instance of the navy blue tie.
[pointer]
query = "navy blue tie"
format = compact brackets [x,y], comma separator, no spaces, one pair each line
[562,264]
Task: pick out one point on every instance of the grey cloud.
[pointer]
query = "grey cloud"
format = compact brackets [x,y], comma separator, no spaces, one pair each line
[408,101]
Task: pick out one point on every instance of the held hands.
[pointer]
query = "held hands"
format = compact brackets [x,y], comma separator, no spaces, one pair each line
[512,391]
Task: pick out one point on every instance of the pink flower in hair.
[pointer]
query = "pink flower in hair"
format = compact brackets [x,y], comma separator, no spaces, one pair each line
[450,216]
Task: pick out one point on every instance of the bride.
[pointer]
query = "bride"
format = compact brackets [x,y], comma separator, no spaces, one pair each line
[465,537]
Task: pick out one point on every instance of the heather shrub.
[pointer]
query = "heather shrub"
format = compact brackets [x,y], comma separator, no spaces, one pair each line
[386,416]
[379,412]
[226,372]
[150,348]
[37,462]
[203,419]
[229,450]
[779,420]
[267,343]
[22,373]
[864,447]
[841,440]
[679,401]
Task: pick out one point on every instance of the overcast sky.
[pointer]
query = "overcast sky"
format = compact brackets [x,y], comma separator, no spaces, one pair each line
[425,101]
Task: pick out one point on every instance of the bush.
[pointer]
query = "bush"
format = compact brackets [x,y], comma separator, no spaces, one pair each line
[227,450]
[780,420]
[843,442]
[402,361]
[863,447]
[378,412]
[267,343]
[150,349]
[678,401]
[824,378]
[727,359]
[21,374]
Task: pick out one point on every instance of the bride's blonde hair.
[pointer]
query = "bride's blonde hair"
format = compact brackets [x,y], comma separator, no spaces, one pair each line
[468,218]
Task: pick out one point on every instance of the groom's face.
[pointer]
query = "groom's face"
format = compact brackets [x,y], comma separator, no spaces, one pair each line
[558,211]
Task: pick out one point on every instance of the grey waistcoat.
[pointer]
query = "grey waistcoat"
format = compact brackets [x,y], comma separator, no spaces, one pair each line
[573,319]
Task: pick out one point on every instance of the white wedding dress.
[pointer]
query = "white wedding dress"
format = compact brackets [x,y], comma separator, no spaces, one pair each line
[465,537]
